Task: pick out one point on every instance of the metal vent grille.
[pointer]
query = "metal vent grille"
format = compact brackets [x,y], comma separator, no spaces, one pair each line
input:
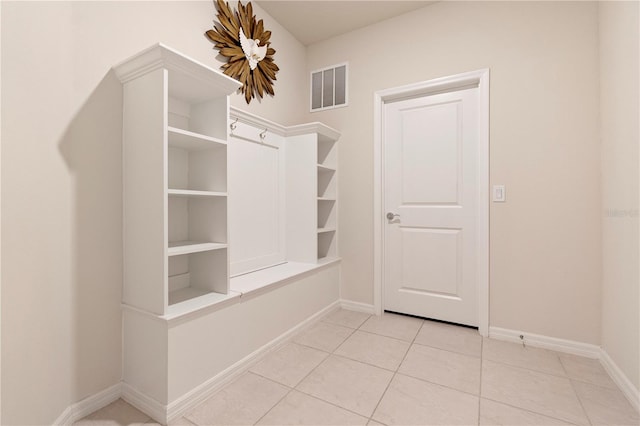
[329,87]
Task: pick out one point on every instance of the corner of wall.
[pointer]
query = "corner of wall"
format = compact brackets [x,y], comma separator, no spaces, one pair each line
[619,43]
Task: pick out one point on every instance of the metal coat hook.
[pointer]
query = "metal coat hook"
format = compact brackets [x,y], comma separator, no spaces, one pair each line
[263,134]
[234,124]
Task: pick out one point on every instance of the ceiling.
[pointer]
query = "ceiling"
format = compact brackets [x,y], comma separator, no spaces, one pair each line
[311,21]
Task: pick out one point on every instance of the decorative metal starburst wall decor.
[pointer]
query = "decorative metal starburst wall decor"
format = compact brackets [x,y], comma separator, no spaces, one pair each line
[246,44]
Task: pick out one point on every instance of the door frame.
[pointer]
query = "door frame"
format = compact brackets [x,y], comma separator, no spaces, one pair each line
[479,79]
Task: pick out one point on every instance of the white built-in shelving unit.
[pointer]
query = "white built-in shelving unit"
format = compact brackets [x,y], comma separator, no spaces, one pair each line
[175,181]
[193,189]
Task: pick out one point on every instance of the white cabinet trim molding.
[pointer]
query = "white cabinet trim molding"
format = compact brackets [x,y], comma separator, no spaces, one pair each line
[286,131]
[162,56]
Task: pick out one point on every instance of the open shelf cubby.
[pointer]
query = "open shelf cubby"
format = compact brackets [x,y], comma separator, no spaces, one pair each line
[327,152]
[327,247]
[326,213]
[326,182]
[196,274]
[197,220]
[195,108]
[196,164]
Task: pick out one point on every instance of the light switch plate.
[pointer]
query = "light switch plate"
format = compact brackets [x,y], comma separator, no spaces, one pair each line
[499,194]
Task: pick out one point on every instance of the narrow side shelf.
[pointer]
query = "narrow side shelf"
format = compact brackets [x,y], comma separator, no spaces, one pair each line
[178,248]
[191,193]
[324,169]
[327,248]
[327,152]
[182,306]
[323,230]
[186,139]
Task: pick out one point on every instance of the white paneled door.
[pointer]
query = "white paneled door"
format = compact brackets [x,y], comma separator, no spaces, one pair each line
[431,199]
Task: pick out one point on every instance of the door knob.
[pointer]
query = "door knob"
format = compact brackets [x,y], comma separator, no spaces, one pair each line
[392,216]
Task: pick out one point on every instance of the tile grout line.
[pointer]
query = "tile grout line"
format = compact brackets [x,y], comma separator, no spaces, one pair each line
[312,347]
[438,384]
[573,388]
[368,363]
[274,405]
[330,403]
[384,335]
[566,376]
[528,369]
[291,389]
[586,381]
[345,339]
[364,362]
[395,373]
[370,418]
[294,388]
[550,351]
[547,374]
[528,410]
[445,350]
[412,343]
[188,421]
[323,361]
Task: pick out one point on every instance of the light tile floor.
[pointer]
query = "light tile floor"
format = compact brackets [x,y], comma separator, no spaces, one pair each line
[356,369]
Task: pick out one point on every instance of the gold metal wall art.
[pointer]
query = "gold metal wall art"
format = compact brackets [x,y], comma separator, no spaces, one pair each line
[245,43]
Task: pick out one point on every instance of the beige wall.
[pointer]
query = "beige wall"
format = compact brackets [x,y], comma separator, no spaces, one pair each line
[619,91]
[61,184]
[543,57]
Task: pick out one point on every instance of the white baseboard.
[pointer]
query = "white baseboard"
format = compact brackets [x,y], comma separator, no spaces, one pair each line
[575,348]
[546,342]
[199,394]
[92,403]
[357,306]
[620,379]
[154,409]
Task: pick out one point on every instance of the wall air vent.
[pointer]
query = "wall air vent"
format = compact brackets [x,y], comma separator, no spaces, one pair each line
[329,87]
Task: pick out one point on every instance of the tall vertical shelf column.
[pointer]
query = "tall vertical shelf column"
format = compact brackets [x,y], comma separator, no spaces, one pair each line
[175,181]
[327,197]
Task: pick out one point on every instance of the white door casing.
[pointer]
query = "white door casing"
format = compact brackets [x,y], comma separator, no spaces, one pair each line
[432,260]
